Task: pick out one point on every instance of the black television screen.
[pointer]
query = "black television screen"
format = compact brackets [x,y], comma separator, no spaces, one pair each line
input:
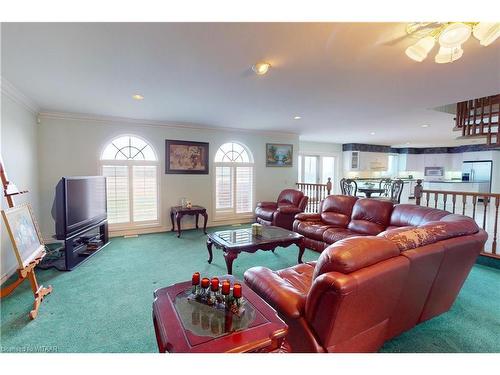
[80,203]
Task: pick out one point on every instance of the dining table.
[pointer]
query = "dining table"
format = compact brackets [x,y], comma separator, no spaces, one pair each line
[368,191]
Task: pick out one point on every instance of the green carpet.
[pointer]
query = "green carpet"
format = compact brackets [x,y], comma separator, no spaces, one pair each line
[105,304]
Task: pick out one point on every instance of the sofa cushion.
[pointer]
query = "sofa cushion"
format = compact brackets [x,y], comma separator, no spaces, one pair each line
[352,254]
[265,213]
[311,229]
[337,209]
[332,235]
[410,214]
[286,290]
[290,197]
[370,216]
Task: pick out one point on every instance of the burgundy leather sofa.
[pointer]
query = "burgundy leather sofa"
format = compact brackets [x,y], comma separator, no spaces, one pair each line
[282,212]
[406,265]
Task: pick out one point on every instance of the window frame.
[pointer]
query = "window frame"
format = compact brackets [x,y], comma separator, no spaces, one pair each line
[228,215]
[130,163]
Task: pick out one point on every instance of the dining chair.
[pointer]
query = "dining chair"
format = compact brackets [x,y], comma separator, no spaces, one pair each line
[386,185]
[348,187]
[396,190]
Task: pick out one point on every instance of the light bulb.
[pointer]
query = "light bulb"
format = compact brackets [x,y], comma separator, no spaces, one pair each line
[421,49]
[454,34]
[261,68]
[486,32]
[448,55]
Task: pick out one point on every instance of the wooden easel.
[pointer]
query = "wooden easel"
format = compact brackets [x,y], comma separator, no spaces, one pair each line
[27,272]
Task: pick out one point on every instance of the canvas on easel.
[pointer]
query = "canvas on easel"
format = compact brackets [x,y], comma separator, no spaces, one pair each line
[24,234]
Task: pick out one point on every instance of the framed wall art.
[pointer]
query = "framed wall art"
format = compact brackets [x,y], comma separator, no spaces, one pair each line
[186,157]
[279,155]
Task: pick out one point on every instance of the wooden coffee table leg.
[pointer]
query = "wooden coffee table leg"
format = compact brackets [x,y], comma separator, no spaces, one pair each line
[197,217]
[209,248]
[229,257]
[301,251]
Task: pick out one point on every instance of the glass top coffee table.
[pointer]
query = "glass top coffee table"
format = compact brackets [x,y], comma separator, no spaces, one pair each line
[234,241]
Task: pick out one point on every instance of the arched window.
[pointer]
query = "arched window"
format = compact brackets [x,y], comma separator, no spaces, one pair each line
[234,181]
[130,166]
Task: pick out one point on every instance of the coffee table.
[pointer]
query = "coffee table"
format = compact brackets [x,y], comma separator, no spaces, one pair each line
[183,326]
[234,241]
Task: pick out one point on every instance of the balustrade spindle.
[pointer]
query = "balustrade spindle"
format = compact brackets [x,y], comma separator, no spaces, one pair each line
[495,228]
[474,200]
[445,197]
[464,203]
[485,203]
[454,201]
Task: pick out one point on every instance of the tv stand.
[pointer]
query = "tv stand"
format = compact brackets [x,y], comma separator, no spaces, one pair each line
[75,247]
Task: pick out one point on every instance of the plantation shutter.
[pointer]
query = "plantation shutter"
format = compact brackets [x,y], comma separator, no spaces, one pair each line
[244,189]
[145,201]
[117,186]
[223,188]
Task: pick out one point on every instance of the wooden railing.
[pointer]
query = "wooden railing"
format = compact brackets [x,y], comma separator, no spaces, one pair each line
[482,207]
[316,193]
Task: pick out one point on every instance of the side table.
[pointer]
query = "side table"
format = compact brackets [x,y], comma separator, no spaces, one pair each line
[177,212]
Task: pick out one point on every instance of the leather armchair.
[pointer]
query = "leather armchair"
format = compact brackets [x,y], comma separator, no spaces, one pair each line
[281,213]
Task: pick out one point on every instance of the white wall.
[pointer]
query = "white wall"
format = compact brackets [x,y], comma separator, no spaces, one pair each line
[18,135]
[326,149]
[71,146]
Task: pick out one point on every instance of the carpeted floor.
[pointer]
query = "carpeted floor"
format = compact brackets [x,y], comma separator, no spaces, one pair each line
[105,304]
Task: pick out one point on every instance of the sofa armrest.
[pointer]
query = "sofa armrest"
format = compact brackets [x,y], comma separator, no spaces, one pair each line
[308,217]
[267,204]
[276,291]
[289,210]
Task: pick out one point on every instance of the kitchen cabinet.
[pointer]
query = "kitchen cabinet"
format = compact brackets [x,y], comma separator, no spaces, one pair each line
[365,161]
[411,162]
[456,162]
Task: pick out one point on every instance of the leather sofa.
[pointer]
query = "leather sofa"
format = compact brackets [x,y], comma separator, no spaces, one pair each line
[368,288]
[282,212]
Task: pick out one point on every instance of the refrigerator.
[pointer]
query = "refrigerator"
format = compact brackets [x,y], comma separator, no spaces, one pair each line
[478,171]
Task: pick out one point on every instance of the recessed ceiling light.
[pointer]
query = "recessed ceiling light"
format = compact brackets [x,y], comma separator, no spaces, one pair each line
[425,126]
[407,143]
[297,117]
[261,68]
[137,97]
[372,133]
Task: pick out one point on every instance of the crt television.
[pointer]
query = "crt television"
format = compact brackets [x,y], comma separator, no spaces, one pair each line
[80,203]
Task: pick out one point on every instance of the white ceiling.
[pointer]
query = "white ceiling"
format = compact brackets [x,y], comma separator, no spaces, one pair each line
[344,79]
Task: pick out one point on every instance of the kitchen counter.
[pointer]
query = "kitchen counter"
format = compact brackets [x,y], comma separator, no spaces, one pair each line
[456,182]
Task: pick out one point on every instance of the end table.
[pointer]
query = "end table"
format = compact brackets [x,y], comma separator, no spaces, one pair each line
[178,212]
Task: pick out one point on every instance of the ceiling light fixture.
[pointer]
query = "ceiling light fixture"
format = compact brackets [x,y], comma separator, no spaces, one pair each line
[297,117]
[261,68]
[424,126]
[137,97]
[450,36]
[372,133]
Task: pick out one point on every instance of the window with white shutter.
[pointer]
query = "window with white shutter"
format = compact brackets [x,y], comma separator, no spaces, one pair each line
[131,169]
[234,181]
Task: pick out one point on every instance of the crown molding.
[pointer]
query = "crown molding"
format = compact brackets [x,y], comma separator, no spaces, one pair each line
[18,96]
[152,123]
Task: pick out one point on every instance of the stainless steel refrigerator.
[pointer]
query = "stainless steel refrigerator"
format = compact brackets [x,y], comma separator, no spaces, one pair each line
[478,171]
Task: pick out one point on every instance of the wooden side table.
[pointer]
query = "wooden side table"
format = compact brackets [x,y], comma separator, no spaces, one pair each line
[177,212]
[183,328]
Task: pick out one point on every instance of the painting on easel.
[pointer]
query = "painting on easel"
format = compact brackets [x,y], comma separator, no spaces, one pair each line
[24,233]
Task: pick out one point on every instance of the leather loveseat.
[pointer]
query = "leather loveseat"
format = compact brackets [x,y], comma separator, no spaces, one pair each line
[282,212]
[369,288]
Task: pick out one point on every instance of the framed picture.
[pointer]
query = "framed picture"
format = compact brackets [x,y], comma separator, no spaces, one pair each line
[279,155]
[24,233]
[186,157]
